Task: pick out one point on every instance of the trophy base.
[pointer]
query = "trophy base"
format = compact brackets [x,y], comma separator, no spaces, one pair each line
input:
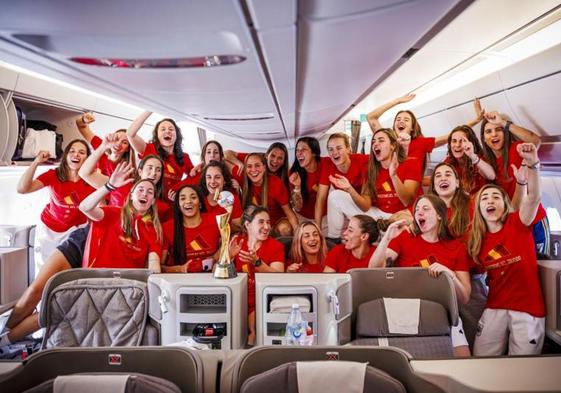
[224,270]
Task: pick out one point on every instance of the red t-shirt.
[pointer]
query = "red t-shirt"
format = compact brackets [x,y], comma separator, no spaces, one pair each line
[420,147]
[308,267]
[509,258]
[312,185]
[387,199]
[271,250]
[62,212]
[105,165]
[277,196]
[173,172]
[216,210]
[108,247]
[165,211]
[414,251]
[355,174]
[119,196]
[340,259]
[201,242]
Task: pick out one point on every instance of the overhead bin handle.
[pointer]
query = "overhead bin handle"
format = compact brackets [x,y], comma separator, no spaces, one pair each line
[163,299]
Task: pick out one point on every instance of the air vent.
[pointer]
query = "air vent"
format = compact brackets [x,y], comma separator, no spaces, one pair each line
[409,54]
[184,62]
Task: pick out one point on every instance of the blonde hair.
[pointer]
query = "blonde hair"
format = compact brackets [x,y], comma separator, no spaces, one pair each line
[128,212]
[297,252]
[479,226]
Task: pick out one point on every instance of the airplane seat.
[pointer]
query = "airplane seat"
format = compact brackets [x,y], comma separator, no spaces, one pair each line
[97,307]
[282,369]
[405,308]
[99,370]
[302,377]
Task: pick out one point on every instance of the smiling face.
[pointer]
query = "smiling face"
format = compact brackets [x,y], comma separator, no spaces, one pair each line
[167,134]
[189,202]
[403,123]
[338,151]
[143,196]
[212,153]
[445,181]
[151,170]
[214,180]
[260,227]
[353,236]
[255,169]
[382,147]
[122,146]
[275,160]
[456,147]
[76,156]
[311,240]
[491,204]
[304,154]
[494,136]
[426,217]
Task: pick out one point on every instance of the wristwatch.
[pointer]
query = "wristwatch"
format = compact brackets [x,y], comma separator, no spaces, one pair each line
[258,262]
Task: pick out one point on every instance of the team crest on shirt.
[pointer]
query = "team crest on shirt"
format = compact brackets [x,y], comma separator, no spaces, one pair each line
[426,262]
[500,256]
[72,199]
[254,201]
[245,268]
[170,168]
[386,186]
[198,244]
[129,242]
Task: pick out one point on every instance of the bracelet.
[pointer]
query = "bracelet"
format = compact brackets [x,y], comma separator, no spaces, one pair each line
[507,126]
[535,165]
[476,162]
[522,184]
[258,262]
[110,187]
[296,189]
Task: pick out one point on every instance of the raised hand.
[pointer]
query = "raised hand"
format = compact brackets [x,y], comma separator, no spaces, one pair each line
[528,152]
[234,246]
[171,195]
[295,180]
[395,229]
[196,170]
[468,149]
[495,118]
[520,174]
[394,164]
[42,156]
[340,182]
[122,174]
[88,118]
[404,139]
[110,140]
[479,112]
[406,98]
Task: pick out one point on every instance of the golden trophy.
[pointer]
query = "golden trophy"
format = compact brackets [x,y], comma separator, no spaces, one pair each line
[224,268]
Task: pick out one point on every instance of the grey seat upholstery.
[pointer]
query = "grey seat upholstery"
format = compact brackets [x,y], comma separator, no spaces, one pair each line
[284,379]
[180,367]
[97,307]
[393,362]
[438,310]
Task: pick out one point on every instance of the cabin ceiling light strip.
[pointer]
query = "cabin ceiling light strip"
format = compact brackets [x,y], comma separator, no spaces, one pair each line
[184,62]
[239,118]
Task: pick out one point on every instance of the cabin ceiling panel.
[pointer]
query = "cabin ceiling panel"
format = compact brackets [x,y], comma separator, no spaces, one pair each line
[334,74]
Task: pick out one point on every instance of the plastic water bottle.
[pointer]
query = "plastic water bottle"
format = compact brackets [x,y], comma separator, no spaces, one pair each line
[295,329]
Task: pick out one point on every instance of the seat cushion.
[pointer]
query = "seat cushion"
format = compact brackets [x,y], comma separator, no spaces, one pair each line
[427,347]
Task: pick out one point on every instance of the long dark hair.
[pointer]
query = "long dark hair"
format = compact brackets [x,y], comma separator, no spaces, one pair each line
[468,169]
[225,174]
[313,144]
[249,214]
[442,212]
[284,168]
[370,226]
[212,142]
[508,138]
[63,170]
[179,249]
[415,126]
[177,146]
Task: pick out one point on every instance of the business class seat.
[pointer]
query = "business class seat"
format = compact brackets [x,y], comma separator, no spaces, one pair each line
[404,308]
[96,308]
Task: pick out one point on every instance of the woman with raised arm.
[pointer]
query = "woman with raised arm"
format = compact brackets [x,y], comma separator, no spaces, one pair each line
[254,251]
[215,179]
[408,129]
[167,144]
[466,156]
[501,243]
[391,185]
[128,236]
[119,151]
[358,246]
[192,237]
[304,177]
[341,163]
[263,189]
[501,139]
[308,251]
[430,245]
[61,216]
